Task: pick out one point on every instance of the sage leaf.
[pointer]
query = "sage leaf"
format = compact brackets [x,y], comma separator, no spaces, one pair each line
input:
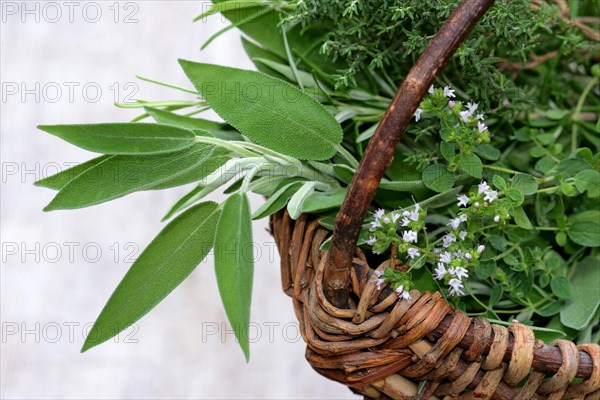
[217,129]
[296,202]
[269,111]
[124,138]
[234,265]
[120,175]
[318,202]
[277,201]
[437,177]
[584,301]
[59,180]
[161,267]
[402,186]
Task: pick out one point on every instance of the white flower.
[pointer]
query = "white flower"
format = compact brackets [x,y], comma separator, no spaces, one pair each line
[456,287]
[445,257]
[454,223]
[378,273]
[395,216]
[461,273]
[472,107]
[374,225]
[491,195]
[448,239]
[448,91]
[483,187]
[440,271]
[496,218]
[414,215]
[386,220]
[430,90]
[380,282]
[476,204]
[417,114]
[405,221]
[481,126]
[479,117]
[409,236]
[463,235]
[480,248]
[464,115]
[468,256]
[372,240]
[399,289]
[451,103]
[379,213]
[413,252]
[463,217]
[463,200]
[405,295]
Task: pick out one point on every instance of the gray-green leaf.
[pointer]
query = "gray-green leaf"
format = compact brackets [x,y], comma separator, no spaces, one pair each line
[161,267]
[268,110]
[437,177]
[234,265]
[59,180]
[124,138]
[584,302]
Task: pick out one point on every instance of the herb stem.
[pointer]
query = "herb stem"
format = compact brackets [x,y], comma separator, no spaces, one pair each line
[578,108]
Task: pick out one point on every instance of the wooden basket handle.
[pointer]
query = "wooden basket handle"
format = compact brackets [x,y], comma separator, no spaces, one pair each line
[380,150]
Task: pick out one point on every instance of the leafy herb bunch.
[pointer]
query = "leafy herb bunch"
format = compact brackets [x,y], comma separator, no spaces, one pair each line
[502,218]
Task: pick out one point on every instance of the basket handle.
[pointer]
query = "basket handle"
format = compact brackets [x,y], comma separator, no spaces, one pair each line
[380,150]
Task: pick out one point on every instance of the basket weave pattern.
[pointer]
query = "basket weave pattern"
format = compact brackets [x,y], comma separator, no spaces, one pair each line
[382,347]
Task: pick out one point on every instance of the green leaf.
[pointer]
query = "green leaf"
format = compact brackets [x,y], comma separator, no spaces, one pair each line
[229,5]
[286,71]
[471,164]
[437,177]
[515,195]
[268,110]
[499,182]
[402,186]
[448,150]
[423,280]
[161,267]
[487,152]
[584,302]
[217,129]
[589,180]
[585,233]
[526,183]
[124,138]
[120,175]
[234,265]
[296,202]
[277,201]
[58,181]
[318,202]
[521,218]
[561,287]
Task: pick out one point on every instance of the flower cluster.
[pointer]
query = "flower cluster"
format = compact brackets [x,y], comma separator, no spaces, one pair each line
[399,227]
[462,124]
[482,201]
[400,282]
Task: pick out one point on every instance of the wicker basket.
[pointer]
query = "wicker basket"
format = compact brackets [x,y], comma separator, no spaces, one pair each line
[419,349]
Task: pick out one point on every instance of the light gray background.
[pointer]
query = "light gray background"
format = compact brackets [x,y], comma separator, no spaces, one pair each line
[49,294]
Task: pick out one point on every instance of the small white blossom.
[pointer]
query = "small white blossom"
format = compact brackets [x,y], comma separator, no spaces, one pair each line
[430,90]
[372,240]
[413,252]
[380,282]
[395,216]
[451,103]
[481,127]
[464,115]
[483,187]
[463,200]
[386,220]
[456,287]
[409,236]
[462,235]
[496,218]
[468,256]
[374,225]
[454,223]
[417,114]
[472,107]
[399,289]
[463,217]
[476,204]
[379,213]
[405,295]
[479,117]
[440,271]
[449,92]
[461,273]
[491,195]
[480,248]
[445,257]
[405,221]
[448,239]
[378,273]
